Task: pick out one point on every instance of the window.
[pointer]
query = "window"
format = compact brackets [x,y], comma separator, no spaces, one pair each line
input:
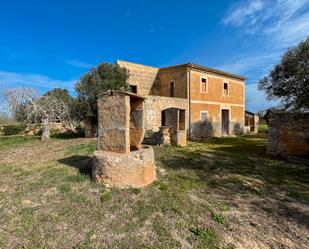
[172,89]
[133,89]
[203,85]
[226,88]
[203,116]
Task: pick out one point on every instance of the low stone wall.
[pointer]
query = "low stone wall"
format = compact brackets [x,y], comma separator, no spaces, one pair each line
[288,134]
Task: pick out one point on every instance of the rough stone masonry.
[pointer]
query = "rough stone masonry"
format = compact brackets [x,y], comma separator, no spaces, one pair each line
[288,134]
[120,160]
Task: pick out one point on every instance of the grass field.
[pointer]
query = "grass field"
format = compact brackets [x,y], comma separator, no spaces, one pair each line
[222,193]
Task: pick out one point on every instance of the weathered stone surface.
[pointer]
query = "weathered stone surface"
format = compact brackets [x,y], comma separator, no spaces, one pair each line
[135,169]
[114,122]
[137,128]
[121,121]
[164,136]
[288,134]
[181,138]
[154,105]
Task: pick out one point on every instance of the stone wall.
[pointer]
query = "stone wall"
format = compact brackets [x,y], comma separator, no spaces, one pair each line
[144,77]
[288,134]
[154,105]
[176,75]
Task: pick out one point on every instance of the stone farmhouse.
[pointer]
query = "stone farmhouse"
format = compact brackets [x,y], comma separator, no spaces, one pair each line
[192,99]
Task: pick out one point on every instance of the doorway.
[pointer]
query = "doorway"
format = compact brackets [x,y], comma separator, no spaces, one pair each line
[225,114]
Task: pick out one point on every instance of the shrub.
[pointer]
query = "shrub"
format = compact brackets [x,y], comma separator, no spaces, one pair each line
[13,129]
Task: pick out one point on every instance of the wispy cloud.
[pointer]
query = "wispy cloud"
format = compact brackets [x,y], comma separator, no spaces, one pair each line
[253,64]
[157,26]
[280,20]
[276,25]
[77,63]
[242,11]
[11,79]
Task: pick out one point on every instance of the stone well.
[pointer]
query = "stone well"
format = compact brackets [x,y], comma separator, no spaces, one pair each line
[120,160]
[135,169]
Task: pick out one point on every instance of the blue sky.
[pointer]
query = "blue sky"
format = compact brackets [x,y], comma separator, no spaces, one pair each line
[46,44]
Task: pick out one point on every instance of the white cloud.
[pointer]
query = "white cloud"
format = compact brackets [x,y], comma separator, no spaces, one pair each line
[77,63]
[251,63]
[241,12]
[11,79]
[281,21]
[275,26]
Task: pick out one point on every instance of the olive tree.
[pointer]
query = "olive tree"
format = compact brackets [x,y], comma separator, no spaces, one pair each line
[106,76]
[37,108]
[288,81]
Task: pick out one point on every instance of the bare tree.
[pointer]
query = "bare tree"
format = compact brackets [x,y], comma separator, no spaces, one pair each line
[37,108]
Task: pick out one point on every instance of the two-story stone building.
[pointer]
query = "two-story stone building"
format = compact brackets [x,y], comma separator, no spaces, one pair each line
[195,100]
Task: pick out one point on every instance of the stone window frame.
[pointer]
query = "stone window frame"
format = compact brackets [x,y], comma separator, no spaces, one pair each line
[202,112]
[228,88]
[203,77]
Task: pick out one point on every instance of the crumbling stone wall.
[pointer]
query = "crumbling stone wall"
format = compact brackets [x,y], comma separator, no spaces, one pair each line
[288,134]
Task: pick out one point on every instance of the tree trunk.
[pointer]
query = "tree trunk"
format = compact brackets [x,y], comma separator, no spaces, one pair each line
[45,133]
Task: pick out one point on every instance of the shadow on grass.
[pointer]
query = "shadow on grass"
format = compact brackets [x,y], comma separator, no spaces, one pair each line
[237,166]
[82,163]
[67,135]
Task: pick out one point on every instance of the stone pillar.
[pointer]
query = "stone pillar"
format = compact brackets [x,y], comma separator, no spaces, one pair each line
[120,160]
[114,123]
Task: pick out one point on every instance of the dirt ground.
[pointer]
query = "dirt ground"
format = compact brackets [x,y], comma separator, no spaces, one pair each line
[221,193]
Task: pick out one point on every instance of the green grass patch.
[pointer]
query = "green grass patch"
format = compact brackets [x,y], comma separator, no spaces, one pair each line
[207,236]
[8,142]
[106,197]
[82,148]
[218,218]
[263,128]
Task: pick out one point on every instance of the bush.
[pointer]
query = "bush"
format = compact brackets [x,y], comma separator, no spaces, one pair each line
[13,129]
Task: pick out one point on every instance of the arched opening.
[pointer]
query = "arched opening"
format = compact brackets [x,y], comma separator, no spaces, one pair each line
[175,119]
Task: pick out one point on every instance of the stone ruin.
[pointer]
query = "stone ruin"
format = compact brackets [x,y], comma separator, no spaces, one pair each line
[288,134]
[120,159]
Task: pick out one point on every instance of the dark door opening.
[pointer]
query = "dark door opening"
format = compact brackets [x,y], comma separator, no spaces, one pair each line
[225,122]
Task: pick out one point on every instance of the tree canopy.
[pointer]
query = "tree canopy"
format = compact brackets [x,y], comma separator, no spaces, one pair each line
[288,81]
[106,76]
[59,93]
